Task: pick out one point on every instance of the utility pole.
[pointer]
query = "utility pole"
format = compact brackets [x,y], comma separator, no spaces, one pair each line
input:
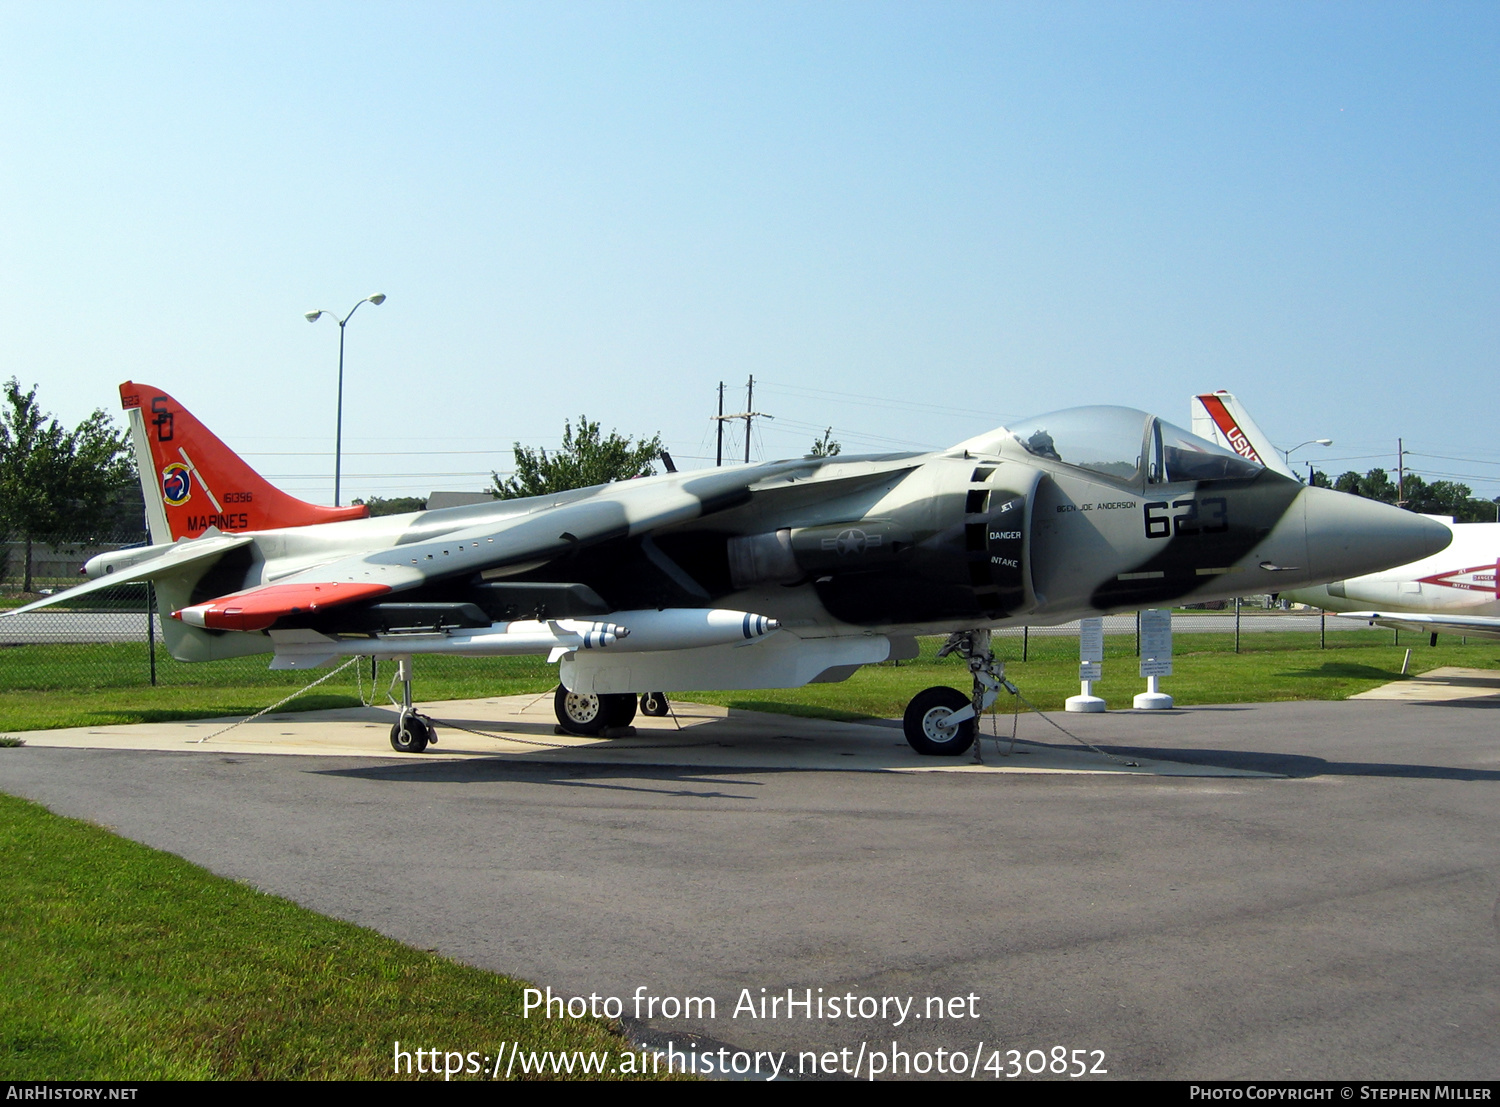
[747,415]
[1400,474]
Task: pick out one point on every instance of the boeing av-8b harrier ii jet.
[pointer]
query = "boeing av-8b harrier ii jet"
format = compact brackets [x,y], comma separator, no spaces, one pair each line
[770,575]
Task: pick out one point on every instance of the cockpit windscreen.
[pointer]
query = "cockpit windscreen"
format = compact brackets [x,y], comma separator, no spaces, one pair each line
[1111,441]
[1107,440]
[1184,457]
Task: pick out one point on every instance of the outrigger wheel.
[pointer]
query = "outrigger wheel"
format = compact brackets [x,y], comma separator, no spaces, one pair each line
[589,713]
[411,733]
[654,704]
[926,726]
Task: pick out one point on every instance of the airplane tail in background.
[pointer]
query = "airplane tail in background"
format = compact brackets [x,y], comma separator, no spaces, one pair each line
[192,481]
[1219,417]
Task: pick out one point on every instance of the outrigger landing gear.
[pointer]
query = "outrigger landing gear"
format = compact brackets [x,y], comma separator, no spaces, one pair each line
[942,721]
[411,733]
[655,704]
[589,714]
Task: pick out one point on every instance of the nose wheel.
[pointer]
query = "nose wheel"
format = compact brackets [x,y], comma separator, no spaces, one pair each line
[929,726]
[943,722]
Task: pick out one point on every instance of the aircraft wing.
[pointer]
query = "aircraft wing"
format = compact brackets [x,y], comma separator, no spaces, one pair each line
[166,558]
[506,546]
[1481,626]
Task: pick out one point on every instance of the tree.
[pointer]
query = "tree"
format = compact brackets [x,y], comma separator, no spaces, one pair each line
[586,458]
[395,505]
[55,482]
[827,446]
[1374,485]
[1441,497]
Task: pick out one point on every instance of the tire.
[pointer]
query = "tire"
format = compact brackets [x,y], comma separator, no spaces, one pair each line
[619,708]
[410,735]
[581,713]
[655,704]
[927,710]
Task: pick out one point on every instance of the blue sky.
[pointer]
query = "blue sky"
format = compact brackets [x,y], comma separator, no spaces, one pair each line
[911,222]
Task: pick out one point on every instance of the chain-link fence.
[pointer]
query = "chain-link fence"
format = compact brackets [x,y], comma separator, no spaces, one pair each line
[112,638]
[51,564]
[108,639]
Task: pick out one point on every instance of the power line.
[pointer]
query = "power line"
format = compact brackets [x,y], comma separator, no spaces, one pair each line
[878,401]
[381,476]
[854,435]
[368,453]
[1449,457]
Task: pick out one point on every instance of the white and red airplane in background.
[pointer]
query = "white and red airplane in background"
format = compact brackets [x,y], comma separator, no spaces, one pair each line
[1454,591]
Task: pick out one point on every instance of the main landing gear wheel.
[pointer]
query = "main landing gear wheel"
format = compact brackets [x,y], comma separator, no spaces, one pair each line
[926,718]
[411,734]
[620,708]
[588,714]
[655,704]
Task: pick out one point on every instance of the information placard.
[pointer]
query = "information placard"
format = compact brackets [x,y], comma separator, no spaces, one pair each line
[1156,643]
[1091,641]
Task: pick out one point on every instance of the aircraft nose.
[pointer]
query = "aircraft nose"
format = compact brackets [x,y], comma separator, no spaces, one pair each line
[1348,536]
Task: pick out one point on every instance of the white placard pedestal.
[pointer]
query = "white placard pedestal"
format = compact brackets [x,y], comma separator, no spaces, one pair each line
[1156,659]
[1090,666]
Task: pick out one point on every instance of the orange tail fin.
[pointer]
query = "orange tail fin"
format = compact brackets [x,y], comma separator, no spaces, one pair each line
[192,481]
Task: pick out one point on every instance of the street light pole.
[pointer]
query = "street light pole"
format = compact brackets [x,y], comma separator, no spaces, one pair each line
[1286,455]
[338,438]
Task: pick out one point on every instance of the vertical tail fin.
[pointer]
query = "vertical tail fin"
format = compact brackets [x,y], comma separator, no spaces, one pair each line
[1220,418]
[192,481]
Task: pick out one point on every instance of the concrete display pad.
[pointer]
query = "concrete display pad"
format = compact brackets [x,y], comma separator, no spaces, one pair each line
[1439,685]
[524,728]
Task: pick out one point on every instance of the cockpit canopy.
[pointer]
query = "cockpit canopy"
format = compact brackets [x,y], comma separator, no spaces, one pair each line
[1120,442]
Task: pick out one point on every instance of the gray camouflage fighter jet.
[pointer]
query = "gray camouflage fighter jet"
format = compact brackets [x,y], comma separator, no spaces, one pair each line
[771,575]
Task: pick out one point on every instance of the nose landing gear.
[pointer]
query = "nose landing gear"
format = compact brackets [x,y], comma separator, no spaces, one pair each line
[942,721]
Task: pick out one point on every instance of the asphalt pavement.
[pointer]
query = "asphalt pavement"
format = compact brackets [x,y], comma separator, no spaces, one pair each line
[1320,903]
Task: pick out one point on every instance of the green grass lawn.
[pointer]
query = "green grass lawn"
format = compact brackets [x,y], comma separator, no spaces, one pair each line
[43,687]
[58,686]
[1271,666]
[119,962]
